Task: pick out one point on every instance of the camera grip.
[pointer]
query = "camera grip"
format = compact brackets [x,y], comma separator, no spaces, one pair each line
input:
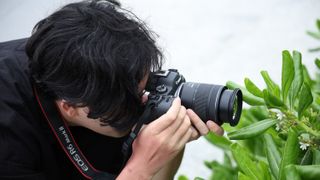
[159,105]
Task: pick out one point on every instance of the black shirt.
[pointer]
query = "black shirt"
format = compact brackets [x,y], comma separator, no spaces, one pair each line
[28,148]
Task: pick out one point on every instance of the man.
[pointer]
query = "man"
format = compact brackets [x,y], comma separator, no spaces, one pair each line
[90,59]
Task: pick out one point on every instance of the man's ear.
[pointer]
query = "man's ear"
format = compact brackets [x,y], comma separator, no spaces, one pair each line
[67,111]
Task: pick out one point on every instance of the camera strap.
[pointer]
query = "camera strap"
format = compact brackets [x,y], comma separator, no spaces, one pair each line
[68,144]
[127,145]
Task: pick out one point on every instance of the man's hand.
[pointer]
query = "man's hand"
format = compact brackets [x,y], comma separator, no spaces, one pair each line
[159,142]
[200,128]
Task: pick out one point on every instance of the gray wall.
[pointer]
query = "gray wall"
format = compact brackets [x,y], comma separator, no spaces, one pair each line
[209,41]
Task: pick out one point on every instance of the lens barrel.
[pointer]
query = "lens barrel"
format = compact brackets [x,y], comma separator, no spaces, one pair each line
[212,102]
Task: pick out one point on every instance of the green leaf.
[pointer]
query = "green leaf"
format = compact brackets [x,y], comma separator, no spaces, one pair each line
[317,62]
[273,155]
[317,100]
[309,171]
[245,120]
[219,141]
[252,88]
[245,163]
[254,146]
[183,177]
[305,99]
[241,176]
[287,74]
[315,156]
[291,173]
[227,160]
[221,171]
[247,96]
[298,78]
[290,152]
[223,174]
[314,49]
[306,76]
[275,136]
[318,24]
[272,86]
[307,158]
[208,164]
[198,178]
[259,112]
[315,35]
[228,128]
[252,130]
[215,164]
[273,101]
[264,170]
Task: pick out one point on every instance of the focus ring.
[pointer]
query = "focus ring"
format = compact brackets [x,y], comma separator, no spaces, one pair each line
[201,101]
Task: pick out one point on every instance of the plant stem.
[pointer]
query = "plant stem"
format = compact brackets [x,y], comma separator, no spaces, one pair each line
[308,129]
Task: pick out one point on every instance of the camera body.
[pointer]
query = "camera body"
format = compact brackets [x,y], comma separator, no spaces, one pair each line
[162,87]
[165,82]
[208,101]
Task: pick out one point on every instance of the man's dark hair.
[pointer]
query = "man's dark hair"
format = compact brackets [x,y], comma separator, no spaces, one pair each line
[94,53]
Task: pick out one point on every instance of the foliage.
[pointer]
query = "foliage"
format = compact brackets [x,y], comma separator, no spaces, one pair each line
[315,35]
[278,136]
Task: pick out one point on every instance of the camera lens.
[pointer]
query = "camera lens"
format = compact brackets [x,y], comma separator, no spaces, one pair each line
[230,103]
[212,102]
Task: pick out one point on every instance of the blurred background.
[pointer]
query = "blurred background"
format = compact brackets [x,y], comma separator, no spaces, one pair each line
[208,41]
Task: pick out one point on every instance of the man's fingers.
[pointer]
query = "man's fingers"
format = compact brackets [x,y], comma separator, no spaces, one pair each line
[215,128]
[174,109]
[178,122]
[168,118]
[179,132]
[195,134]
[185,138]
[197,122]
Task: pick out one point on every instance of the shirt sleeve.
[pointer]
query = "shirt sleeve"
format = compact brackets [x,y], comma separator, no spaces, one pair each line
[19,146]
[18,160]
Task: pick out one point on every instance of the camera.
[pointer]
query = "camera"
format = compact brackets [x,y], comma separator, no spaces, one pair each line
[208,101]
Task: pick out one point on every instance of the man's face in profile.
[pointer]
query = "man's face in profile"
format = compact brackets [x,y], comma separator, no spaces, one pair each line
[78,116]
